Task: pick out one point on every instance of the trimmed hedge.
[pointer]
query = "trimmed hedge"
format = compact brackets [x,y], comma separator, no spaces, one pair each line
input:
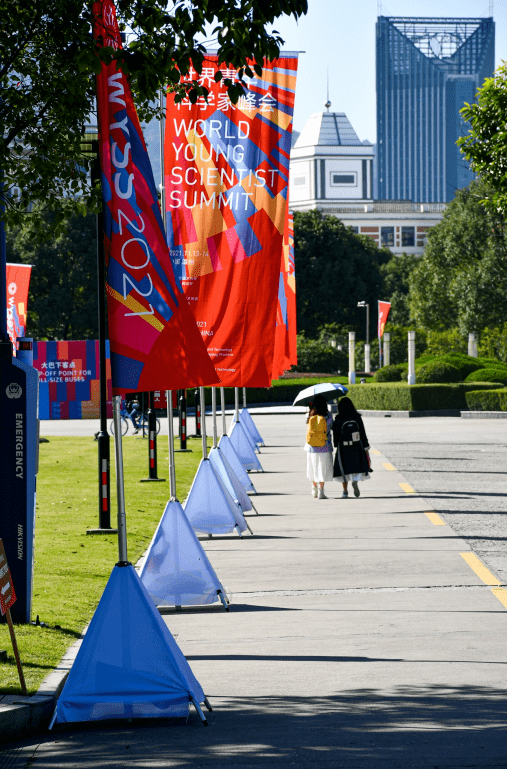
[487,400]
[404,397]
[464,363]
[392,373]
[282,391]
[438,372]
[488,375]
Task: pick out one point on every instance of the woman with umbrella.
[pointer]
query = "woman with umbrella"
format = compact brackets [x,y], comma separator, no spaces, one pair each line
[319,462]
[351,461]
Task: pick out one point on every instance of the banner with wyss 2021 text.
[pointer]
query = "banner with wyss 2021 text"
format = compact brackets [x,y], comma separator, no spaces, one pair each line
[155,343]
[226,183]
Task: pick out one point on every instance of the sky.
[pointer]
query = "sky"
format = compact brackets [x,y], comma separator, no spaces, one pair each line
[339,36]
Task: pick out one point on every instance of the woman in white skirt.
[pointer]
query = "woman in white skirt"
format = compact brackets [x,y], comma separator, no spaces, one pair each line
[319,463]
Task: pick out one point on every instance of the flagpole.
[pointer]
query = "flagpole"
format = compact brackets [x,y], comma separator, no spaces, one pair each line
[214,413]
[170,440]
[103,440]
[120,487]
[203,427]
[244,397]
[222,403]
[236,404]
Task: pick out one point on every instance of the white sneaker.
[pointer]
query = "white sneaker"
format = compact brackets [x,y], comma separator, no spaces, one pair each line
[314,492]
[321,494]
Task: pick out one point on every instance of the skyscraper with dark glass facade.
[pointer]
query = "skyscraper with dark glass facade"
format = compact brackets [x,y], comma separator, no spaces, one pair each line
[426,70]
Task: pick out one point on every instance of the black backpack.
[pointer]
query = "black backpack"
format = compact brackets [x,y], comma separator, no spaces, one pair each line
[350,435]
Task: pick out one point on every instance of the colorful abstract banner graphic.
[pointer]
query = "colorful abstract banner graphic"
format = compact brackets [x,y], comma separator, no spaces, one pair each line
[69,384]
[291,292]
[155,343]
[383,312]
[226,181]
[18,281]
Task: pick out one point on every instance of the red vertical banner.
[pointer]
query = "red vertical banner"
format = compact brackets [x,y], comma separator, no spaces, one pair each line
[155,343]
[226,181]
[383,312]
[18,281]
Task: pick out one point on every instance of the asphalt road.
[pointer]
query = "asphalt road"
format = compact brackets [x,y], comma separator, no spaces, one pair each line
[460,466]
[358,636]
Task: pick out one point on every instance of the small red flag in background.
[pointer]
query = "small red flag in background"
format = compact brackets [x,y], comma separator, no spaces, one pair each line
[383,312]
[155,343]
[18,280]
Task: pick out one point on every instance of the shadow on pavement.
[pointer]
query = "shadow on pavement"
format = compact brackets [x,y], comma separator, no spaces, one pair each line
[421,726]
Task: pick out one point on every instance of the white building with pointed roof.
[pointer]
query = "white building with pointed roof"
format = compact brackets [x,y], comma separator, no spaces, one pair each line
[331,170]
[329,163]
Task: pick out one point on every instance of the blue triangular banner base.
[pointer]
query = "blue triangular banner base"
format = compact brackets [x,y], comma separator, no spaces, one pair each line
[176,571]
[246,420]
[229,477]
[243,446]
[128,665]
[209,507]
[230,454]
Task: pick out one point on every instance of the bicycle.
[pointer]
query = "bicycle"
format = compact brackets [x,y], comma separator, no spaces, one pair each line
[142,423]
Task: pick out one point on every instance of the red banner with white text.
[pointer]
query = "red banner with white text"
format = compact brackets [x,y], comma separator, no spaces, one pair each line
[155,343]
[18,281]
[226,182]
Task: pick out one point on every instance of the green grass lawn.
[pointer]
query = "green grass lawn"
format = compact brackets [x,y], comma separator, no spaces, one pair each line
[71,567]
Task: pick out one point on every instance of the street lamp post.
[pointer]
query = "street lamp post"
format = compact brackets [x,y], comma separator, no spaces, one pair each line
[367,364]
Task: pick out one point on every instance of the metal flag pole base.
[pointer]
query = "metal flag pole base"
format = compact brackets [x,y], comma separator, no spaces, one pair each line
[199,711]
[253,506]
[152,480]
[102,531]
[225,603]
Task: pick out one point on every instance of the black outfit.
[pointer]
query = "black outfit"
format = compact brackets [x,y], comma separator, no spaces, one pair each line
[349,438]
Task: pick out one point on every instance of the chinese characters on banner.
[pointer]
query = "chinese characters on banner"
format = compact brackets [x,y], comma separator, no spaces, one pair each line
[383,312]
[226,182]
[155,343]
[18,280]
[69,386]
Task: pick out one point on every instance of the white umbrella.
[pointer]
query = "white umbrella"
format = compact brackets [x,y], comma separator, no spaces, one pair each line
[329,390]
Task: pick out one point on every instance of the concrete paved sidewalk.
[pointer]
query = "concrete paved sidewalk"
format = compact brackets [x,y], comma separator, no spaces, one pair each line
[359,637]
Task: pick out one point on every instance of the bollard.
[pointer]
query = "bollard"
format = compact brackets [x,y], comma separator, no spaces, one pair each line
[411,357]
[152,442]
[183,423]
[472,346]
[387,345]
[352,357]
[197,399]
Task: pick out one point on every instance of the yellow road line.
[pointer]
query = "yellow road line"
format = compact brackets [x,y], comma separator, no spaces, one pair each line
[388,466]
[434,518]
[501,594]
[376,452]
[479,568]
[406,487]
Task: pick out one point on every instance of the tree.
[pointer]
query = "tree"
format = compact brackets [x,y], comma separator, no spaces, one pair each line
[334,270]
[461,280]
[396,276]
[48,63]
[485,145]
[62,302]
